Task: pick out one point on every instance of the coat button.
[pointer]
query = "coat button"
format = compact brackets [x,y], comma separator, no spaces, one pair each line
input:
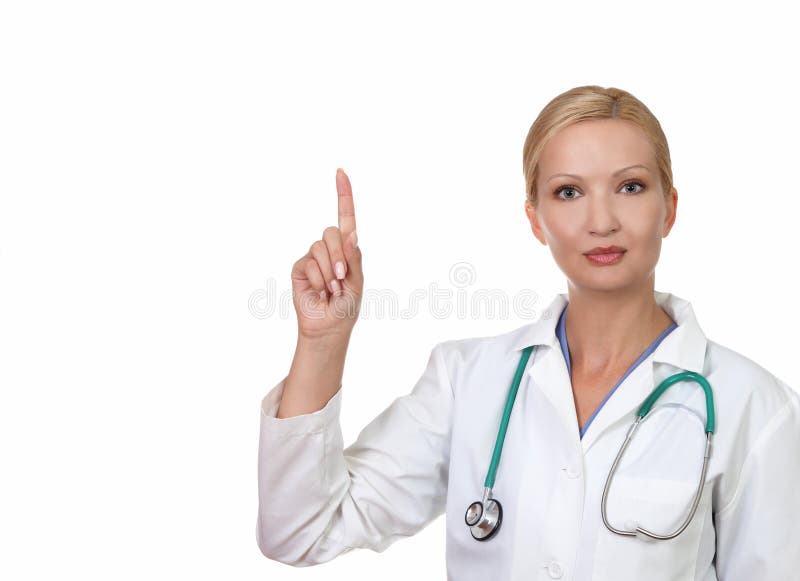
[573,472]
[555,569]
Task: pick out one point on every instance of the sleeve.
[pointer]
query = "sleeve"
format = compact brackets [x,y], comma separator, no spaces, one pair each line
[317,500]
[758,532]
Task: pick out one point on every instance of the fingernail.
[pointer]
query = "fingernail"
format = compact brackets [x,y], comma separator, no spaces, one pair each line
[339,268]
[354,238]
[335,288]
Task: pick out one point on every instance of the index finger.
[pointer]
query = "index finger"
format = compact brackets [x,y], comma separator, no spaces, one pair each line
[347,212]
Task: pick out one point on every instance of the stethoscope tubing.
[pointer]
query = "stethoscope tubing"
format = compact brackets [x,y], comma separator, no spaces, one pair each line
[485,516]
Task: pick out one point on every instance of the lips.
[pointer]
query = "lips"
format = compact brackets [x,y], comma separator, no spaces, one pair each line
[606,250]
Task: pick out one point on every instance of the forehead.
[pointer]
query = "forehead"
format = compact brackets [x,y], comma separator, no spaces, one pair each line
[598,146]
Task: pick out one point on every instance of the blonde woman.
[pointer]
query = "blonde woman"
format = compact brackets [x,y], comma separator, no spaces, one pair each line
[705,487]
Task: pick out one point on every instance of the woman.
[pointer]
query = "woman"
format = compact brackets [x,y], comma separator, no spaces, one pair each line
[600,195]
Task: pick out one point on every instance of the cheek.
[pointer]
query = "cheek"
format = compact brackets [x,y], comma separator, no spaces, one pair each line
[644,242]
[561,228]
[644,224]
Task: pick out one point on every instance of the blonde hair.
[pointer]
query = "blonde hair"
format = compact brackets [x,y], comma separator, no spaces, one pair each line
[585,103]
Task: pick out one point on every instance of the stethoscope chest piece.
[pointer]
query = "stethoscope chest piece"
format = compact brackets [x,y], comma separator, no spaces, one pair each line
[484,517]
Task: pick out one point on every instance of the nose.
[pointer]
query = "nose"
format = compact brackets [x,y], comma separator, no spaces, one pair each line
[602,218]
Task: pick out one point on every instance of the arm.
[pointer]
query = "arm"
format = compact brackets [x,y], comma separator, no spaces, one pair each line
[314,377]
[318,500]
[758,532]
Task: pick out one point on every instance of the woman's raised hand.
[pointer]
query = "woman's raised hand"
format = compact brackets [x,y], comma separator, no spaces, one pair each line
[327,282]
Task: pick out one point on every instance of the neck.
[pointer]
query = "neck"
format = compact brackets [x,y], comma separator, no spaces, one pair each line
[607,331]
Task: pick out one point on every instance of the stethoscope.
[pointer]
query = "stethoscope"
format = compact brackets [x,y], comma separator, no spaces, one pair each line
[483,517]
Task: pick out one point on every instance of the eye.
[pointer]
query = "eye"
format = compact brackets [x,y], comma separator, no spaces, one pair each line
[633,183]
[566,188]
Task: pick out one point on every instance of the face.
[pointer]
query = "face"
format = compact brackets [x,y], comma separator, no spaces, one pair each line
[596,206]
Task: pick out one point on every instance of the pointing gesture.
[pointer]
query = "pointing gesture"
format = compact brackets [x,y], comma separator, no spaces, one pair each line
[327,281]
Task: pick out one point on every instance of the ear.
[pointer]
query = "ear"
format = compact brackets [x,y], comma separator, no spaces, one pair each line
[672,209]
[533,218]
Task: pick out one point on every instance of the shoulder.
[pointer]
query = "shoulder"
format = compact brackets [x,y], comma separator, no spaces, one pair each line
[469,348]
[747,381]
[477,356]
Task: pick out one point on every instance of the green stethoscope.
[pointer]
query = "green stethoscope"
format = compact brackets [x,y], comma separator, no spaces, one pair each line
[483,517]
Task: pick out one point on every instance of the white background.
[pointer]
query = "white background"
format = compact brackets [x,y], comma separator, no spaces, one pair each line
[161,162]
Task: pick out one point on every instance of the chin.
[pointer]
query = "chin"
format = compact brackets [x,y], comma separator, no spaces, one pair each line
[603,278]
[606,288]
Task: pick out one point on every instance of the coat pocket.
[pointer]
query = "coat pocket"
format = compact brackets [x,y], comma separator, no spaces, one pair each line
[660,506]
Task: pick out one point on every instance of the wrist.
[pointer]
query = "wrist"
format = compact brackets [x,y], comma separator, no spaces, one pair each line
[323,343]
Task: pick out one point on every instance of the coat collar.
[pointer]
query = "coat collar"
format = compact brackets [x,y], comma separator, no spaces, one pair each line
[684,347]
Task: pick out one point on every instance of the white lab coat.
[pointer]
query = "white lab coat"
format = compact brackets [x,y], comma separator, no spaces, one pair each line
[429,451]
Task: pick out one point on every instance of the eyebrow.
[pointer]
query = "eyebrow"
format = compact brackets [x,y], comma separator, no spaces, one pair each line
[615,174]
